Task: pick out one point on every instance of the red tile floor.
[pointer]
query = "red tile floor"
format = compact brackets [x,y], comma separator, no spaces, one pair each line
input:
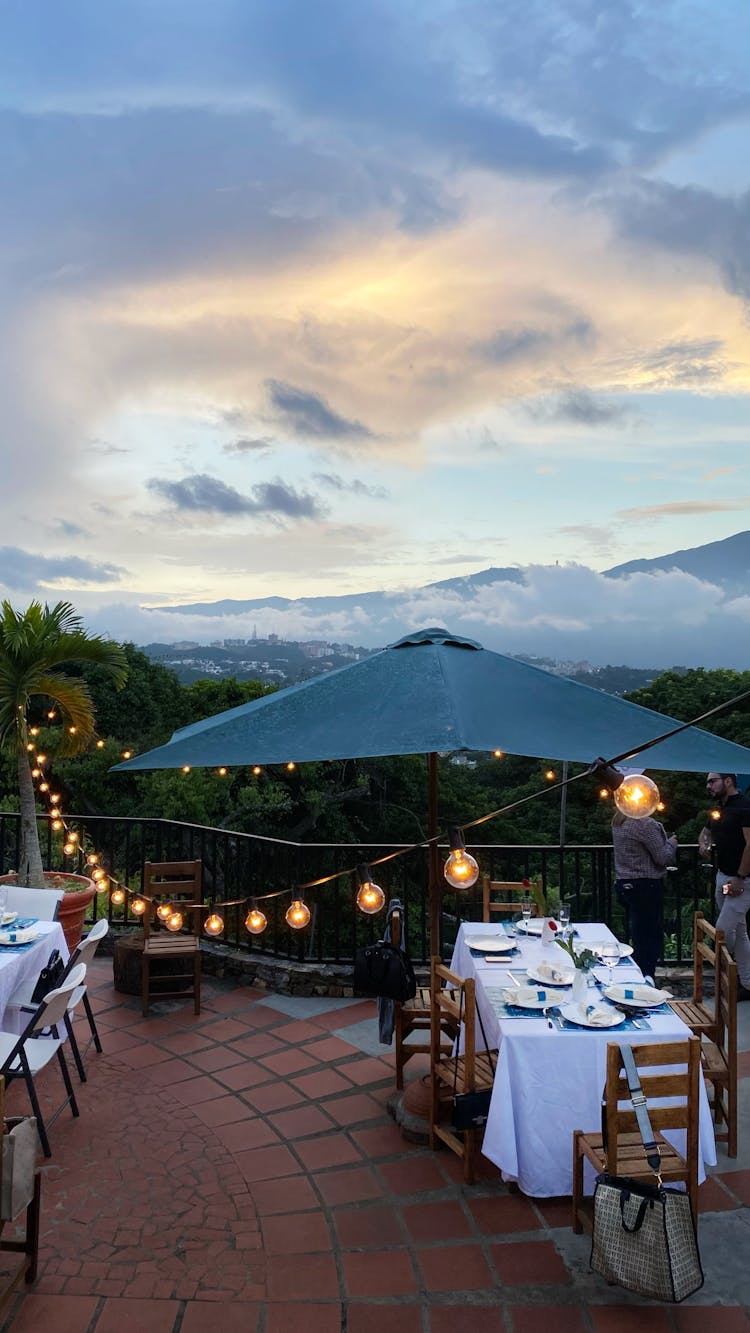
[247,1158]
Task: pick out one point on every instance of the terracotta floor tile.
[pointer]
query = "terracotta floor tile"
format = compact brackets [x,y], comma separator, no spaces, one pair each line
[300,1121]
[455,1268]
[505,1213]
[296,1233]
[281,1317]
[215,1057]
[739,1184]
[379,1273]
[236,1317]
[290,1193]
[330,1048]
[713,1198]
[301,1277]
[273,1096]
[245,1075]
[724,1319]
[298,1033]
[322,1084]
[169,1072]
[346,1015]
[362,1072]
[436,1221]
[288,1062]
[193,1090]
[542,1318]
[412,1176]
[380,1141]
[401,1318]
[222,1111]
[532,1262]
[147,1316]
[328,1150]
[556,1212]
[629,1319]
[138,1057]
[259,1043]
[473,1319]
[266,1163]
[223,1029]
[64,1314]
[351,1186]
[376,1227]
[353,1110]
[185,1043]
[250,1132]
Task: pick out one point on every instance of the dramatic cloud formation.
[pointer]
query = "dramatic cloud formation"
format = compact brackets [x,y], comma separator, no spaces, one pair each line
[209,495]
[308,415]
[24,571]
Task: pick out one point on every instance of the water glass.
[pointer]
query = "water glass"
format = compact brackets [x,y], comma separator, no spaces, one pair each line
[610,956]
[563,917]
[526,908]
[3,900]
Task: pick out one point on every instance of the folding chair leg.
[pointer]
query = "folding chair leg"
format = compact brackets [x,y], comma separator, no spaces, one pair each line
[145,979]
[577,1183]
[67,1082]
[33,1215]
[40,1129]
[197,982]
[74,1049]
[92,1022]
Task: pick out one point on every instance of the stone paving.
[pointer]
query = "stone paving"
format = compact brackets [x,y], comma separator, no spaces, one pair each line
[246,1158]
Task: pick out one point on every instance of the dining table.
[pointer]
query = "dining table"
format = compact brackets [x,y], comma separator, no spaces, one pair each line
[19,962]
[550,1073]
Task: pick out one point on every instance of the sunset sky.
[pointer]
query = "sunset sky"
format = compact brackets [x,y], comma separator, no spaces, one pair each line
[308,297]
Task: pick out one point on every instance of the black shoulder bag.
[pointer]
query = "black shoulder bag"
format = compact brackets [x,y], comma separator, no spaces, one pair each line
[49,977]
[385,971]
[644,1236]
[470,1109]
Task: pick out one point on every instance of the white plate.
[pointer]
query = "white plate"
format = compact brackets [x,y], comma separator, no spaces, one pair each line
[533,926]
[491,943]
[22,937]
[8,917]
[576,1013]
[637,996]
[536,973]
[527,997]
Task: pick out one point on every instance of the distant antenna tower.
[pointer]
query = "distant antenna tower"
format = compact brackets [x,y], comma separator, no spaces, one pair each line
[255,633]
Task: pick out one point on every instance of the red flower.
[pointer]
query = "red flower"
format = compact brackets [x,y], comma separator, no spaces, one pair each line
[553,925]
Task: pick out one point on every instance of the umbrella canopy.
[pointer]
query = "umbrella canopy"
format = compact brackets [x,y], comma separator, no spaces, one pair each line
[434,691]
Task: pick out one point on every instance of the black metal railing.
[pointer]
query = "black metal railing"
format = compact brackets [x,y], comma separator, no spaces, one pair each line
[245,865]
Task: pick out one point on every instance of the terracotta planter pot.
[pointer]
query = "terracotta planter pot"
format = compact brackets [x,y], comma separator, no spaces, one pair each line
[72,909]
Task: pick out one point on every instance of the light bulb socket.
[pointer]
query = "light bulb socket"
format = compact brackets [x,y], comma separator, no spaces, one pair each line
[364,875]
[456,838]
[606,774]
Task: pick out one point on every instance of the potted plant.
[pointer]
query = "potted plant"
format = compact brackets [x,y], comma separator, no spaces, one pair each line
[37,647]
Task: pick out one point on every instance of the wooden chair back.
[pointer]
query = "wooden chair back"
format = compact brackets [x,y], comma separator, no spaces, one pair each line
[707,942]
[514,897]
[720,1058]
[453,1001]
[180,882]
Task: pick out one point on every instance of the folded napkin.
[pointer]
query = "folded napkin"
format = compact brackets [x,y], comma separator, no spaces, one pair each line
[597,1018]
[21,936]
[524,994]
[554,974]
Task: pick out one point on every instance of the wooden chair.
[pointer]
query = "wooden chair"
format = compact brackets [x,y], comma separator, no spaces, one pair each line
[679,1065]
[515,896]
[28,1244]
[453,998]
[413,1016]
[719,1059]
[178,882]
[703,1019]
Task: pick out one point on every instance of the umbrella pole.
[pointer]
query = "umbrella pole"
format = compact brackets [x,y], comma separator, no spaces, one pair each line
[434,878]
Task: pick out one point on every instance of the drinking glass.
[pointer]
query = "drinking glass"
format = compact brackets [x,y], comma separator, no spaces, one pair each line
[526,908]
[610,956]
[563,917]
[3,901]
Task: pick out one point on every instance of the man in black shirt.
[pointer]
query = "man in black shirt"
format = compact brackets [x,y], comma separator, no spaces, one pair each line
[731,838]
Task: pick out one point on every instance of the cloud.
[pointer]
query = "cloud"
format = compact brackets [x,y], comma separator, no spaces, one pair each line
[201,493]
[356,487]
[24,570]
[310,416]
[520,342]
[69,529]
[578,406]
[640,513]
[260,446]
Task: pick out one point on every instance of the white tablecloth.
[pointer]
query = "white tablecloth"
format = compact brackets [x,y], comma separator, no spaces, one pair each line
[18,967]
[549,1082]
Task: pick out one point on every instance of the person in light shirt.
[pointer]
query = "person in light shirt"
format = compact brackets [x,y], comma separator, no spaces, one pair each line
[731,838]
[642,853]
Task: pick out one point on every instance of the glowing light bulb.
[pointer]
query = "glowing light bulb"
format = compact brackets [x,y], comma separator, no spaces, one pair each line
[98,874]
[222,772]
[52,715]
[214,924]
[44,786]
[138,906]
[298,915]
[186,768]
[715,814]
[370,899]
[604,793]
[257,770]
[175,922]
[100,745]
[54,797]
[117,897]
[460,870]
[637,796]
[164,910]
[69,848]
[41,759]
[36,772]
[550,775]
[72,730]
[660,806]
[255,921]
[291,766]
[92,859]
[57,825]
[30,746]
[73,837]
[498,754]
[127,754]
[33,731]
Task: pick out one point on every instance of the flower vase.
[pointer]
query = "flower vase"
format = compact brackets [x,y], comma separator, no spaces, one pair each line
[580,986]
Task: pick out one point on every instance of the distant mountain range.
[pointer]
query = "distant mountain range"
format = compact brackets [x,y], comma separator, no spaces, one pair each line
[726,563]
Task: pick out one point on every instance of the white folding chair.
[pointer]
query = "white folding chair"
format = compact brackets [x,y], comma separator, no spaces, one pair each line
[21,997]
[41,903]
[24,1056]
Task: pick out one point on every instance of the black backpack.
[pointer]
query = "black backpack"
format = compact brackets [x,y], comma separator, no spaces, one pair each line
[384,970]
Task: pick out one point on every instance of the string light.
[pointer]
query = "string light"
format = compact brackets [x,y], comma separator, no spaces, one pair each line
[550,775]
[33,731]
[41,759]
[52,715]
[92,859]
[460,870]
[715,814]
[127,754]
[257,770]
[256,921]
[291,766]
[222,772]
[498,754]
[214,924]
[297,915]
[186,768]
[604,792]
[637,796]
[69,848]
[100,745]
[117,897]
[370,898]
[138,906]
[164,910]
[175,921]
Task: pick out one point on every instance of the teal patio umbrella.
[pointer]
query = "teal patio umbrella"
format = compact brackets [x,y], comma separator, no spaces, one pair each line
[435,691]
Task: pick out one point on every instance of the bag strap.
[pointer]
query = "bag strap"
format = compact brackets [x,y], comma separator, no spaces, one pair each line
[484,1039]
[650,1146]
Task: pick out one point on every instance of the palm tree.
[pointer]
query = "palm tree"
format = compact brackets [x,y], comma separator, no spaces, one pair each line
[36,646]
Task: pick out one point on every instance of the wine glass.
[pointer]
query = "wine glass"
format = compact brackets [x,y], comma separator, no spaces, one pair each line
[610,956]
[563,917]
[526,909]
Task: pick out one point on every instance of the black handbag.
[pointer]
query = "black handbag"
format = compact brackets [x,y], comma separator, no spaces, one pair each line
[471,1109]
[49,977]
[644,1236]
[385,971]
